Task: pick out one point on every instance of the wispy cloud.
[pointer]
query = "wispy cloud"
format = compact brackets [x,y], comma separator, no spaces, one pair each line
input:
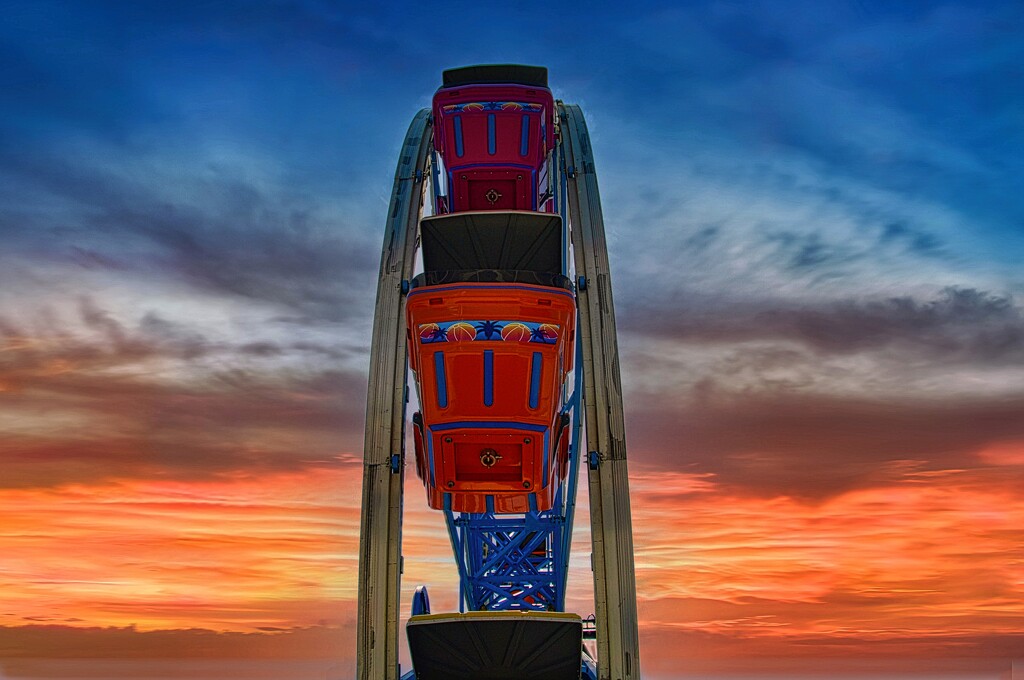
[159,399]
[814,445]
[958,325]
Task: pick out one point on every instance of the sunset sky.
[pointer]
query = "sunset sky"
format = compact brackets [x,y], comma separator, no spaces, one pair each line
[816,225]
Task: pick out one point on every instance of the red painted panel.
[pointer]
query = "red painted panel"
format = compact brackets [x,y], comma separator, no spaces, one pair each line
[493,190]
[473,107]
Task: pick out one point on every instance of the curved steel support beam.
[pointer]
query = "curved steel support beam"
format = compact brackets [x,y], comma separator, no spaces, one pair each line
[380,535]
[618,649]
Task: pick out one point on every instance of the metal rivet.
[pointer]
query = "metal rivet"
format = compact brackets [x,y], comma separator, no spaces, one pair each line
[451,484]
[447,440]
[526,440]
[526,484]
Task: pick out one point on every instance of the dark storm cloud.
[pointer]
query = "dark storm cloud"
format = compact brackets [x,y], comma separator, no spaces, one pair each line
[815,446]
[962,325]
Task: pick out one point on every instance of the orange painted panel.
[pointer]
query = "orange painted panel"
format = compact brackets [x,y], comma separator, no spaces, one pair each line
[490,391]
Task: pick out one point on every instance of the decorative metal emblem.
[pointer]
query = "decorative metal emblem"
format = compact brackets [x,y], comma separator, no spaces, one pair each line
[492,196]
[488,457]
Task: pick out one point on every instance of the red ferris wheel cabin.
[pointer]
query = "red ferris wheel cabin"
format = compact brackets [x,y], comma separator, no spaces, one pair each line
[493,129]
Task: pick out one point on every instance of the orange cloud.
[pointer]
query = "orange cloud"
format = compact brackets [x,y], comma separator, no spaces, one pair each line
[1003,453]
[235,554]
[935,557]
[931,564]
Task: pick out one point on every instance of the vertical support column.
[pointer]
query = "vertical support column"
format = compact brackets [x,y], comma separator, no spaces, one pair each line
[618,645]
[380,535]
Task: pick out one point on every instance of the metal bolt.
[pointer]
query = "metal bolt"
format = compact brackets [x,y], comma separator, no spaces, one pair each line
[526,484]
[526,440]
[447,440]
[450,484]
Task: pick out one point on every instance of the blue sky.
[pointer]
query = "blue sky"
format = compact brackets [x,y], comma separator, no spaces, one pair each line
[814,212]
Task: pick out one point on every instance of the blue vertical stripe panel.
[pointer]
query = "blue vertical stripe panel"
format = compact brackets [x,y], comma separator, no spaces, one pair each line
[524,136]
[535,367]
[440,380]
[457,120]
[488,377]
[492,136]
[547,474]
[430,454]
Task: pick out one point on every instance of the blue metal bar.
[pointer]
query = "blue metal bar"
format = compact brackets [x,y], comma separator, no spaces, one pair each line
[558,502]
[556,186]
[531,427]
[471,166]
[440,380]
[457,120]
[429,437]
[524,136]
[441,288]
[564,208]
[488,377]
[458,549]
[544,465]
[492,136]
[536,363]
[533,189]
[436,174]
[576,404]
